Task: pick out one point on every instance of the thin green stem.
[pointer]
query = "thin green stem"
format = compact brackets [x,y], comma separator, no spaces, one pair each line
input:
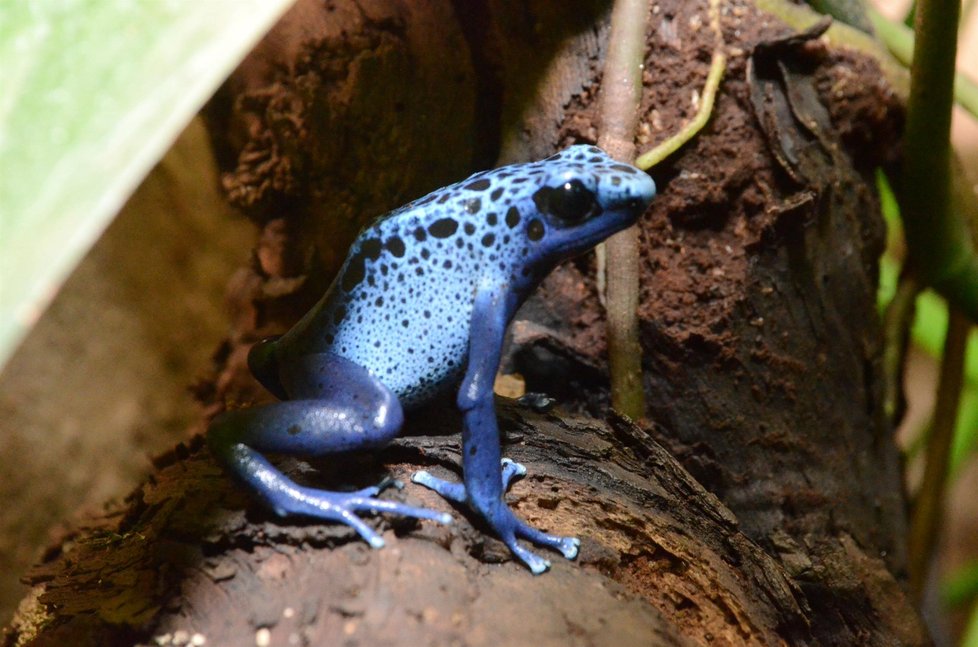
[718,64]
[929,503]
[935,208]
[940,246]
[621,92]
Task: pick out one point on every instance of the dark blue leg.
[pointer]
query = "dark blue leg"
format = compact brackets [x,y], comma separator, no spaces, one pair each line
[484,473]
[341,408]
[484,484]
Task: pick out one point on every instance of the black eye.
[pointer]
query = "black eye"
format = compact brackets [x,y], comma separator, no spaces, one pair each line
[571,202]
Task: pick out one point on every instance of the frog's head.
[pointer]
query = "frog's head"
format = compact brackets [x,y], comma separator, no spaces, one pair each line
[581,197]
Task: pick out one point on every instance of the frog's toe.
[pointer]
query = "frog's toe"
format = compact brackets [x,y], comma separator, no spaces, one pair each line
[454,492]
[368,534]
[537,565]
[343,507]
[371,504]
[511,471]
[539,402]
[569,547]
[374,490]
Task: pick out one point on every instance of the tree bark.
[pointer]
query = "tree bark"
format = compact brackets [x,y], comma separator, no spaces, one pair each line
[781,522]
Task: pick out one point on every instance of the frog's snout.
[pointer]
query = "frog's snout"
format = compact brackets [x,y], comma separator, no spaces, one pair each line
[641,192]
[645,190]
[634,196]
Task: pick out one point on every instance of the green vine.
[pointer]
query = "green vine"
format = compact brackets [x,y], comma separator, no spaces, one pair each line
[718,64]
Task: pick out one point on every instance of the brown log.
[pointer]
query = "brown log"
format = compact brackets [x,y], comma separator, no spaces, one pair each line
[662,560]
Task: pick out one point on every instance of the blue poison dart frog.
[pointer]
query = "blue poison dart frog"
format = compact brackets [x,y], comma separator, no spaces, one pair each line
[420,305]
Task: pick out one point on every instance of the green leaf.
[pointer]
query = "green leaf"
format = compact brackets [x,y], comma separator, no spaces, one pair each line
[93,93]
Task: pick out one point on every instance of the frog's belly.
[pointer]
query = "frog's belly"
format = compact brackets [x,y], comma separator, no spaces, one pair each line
[416,357]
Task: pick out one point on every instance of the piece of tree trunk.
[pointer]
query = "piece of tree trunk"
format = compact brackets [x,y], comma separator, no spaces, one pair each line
[661,560]
[761,341]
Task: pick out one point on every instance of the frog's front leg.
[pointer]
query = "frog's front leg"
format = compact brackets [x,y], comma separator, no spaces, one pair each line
[485,473]
[338,407]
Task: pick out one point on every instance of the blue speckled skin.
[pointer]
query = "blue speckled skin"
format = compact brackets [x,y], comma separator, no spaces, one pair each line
[420,305]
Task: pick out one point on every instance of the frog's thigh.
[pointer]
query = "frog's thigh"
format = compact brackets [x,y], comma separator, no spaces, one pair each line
[341,407]
[338,406]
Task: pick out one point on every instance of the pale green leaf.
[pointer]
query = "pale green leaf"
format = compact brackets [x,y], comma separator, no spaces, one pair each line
[92,93]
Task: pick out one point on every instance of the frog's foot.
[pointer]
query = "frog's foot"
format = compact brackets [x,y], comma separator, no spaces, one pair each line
[510,529]
[567,546]
[539,402]
[342,507]
[502,521]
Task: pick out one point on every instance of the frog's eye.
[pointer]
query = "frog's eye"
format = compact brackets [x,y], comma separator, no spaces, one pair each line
[571,202]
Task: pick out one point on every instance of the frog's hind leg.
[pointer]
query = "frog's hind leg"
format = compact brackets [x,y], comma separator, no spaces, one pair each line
[287,497]
[340,407]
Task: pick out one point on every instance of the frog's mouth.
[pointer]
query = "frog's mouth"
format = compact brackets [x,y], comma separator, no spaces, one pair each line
[570,241]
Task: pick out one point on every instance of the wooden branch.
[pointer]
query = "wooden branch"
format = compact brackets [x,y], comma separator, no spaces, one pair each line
[662,560]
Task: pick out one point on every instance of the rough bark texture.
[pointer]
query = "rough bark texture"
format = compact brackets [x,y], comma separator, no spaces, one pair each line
[662,561]
[758,326]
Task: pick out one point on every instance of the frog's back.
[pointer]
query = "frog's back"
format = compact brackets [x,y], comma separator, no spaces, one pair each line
[402,304]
